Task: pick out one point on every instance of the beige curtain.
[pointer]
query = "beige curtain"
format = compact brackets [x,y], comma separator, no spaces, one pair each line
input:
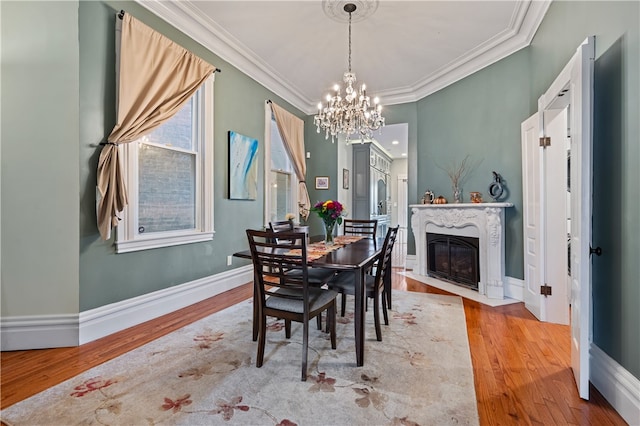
[156,78]
[291,130]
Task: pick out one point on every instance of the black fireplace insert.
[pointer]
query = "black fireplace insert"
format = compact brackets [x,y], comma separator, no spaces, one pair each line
[454,258]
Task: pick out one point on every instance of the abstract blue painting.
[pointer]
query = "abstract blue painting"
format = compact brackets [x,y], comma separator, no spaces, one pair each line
[243,167]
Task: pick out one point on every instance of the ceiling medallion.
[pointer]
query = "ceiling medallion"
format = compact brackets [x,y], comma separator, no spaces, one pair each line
[353,114]
[334,9]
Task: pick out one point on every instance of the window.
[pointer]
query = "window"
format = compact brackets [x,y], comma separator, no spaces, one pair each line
[281,183]
[169,178]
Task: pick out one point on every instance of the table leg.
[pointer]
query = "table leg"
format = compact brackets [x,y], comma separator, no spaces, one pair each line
[359,316]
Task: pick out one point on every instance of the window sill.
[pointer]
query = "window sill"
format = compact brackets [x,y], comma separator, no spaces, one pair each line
[152,242]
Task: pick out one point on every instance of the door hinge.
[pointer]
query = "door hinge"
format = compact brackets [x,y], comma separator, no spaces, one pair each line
[545,141]
[545,290]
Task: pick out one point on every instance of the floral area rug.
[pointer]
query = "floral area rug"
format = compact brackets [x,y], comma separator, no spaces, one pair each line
[205,374]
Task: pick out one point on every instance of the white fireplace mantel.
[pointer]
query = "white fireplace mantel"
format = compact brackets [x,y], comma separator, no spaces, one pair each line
[484,221]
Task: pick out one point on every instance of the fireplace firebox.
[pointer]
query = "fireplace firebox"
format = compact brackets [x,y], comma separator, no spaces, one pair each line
[454,258]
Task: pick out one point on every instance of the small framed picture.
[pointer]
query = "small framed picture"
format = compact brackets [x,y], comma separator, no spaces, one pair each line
[322,182]
[345,178]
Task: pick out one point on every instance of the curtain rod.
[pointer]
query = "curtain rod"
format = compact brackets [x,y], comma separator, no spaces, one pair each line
[121,16]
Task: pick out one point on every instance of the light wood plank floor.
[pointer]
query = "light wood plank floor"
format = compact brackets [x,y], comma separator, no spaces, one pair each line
[521,366]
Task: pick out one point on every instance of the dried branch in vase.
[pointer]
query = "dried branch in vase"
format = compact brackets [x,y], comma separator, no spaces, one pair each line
[458,172]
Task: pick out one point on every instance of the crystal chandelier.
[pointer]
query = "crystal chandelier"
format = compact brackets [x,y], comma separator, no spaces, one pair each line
[352,114]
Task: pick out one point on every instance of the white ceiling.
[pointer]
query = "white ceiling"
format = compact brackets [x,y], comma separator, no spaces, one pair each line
[403,51]
[394,139]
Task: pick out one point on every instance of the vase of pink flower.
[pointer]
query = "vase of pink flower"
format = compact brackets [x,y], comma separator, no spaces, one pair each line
[331,213]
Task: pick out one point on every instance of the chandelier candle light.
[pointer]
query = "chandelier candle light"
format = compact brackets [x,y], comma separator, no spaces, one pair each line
[354,113]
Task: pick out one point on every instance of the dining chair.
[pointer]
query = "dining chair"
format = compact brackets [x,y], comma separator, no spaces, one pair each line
[281,225]
[281,294]
[374,284]
[317,276]
[367,227]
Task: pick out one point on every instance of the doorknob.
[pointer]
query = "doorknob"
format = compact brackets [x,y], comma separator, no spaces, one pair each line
[597,251]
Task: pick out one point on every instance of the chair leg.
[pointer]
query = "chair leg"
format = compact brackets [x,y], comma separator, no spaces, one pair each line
[319,321]
[343,308]
[387,296]
[262,329]
[384,310]
[376,317]
[331,318]
[387,285]
[305,349]
[287,328]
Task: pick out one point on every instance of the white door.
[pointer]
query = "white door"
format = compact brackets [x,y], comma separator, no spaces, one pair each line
[573,89]
[544,176]
[532,215]
[581,173]
[556,305]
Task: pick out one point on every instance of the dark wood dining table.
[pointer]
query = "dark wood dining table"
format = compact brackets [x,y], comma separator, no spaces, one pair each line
[357,257]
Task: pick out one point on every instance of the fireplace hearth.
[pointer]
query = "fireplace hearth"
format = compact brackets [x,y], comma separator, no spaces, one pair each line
[454,258]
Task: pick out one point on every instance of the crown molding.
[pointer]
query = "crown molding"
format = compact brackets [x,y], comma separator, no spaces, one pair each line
[182,16]
[525,21]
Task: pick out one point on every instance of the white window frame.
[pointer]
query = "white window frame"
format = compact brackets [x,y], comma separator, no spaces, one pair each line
[127,238]
[293,208]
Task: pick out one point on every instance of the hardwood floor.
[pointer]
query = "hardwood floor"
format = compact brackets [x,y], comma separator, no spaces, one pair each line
[521,366]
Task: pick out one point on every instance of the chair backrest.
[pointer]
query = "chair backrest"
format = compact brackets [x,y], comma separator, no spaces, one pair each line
[385,254]
[281,226]
[366,227]
[274,256]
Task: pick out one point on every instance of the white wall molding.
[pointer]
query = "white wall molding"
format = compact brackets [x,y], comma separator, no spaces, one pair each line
[51,331]
[514,288]
[410,262]
[106,320]
[38,332]
[616,384]
[186,18]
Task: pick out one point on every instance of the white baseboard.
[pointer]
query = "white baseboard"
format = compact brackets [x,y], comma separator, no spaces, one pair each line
[514,288]
[106,320]
[54,331]
[617,385]
[38,332]
[410,262]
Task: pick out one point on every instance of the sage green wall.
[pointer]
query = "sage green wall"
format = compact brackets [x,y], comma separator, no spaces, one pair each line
[107,277]
[481,115]
[39,104]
